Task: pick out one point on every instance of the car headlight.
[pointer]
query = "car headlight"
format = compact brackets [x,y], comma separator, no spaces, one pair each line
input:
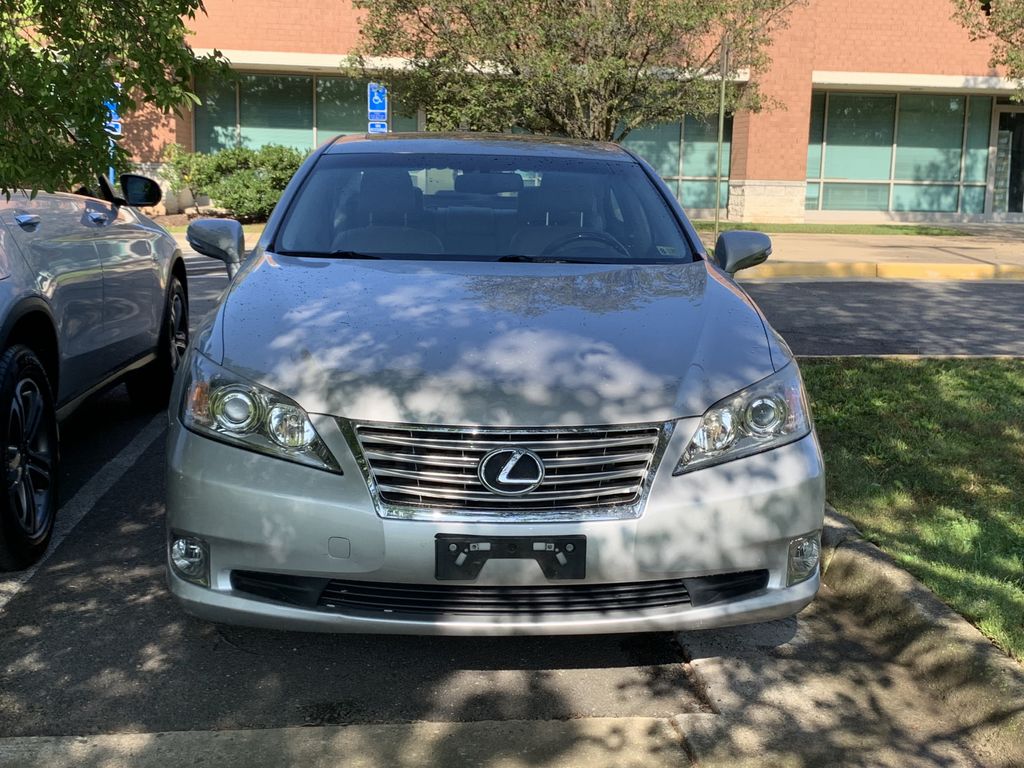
[770,413]
[221,404]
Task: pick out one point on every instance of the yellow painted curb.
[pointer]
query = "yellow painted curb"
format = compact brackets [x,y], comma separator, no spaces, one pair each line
[852,269]
[886,270]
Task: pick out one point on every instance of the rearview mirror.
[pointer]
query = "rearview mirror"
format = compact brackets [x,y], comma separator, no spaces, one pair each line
[140,191]
[221,239]
[741,249]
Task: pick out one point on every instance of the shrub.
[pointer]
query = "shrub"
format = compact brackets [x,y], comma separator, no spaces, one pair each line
[247,182]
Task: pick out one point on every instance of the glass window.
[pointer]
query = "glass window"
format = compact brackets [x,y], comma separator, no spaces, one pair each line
[276,109]
[340,107]
[925,197]
[855,197]
[401,123]
[811,199]
[859,137]
[658,145]
[700,147]
[382,204]
[979,118]
[215,118]
[929,138]
[701,194]
[973,200]
[816,136]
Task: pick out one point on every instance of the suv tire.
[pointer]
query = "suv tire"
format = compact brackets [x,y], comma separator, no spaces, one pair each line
[150,387]
[28,437]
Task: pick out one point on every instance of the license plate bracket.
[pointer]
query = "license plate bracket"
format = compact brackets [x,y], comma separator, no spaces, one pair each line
[460,558]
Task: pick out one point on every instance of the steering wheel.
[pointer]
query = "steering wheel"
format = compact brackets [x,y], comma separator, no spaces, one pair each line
[576,237]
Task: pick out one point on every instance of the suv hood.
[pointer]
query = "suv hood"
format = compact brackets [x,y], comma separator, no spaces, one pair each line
[483,343]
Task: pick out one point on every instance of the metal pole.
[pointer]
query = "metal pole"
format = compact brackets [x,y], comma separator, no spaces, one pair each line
[722,74]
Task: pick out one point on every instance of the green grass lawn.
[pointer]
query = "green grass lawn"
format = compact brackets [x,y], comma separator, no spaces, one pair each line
[927,458]
[835,229]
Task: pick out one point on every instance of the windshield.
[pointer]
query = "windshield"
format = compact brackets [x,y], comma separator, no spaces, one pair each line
[479,207]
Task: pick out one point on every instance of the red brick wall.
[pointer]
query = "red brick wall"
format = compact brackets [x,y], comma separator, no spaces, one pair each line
[913,36]
[302,26]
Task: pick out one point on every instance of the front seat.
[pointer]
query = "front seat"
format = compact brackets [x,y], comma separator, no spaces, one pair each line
[386,205]
[563,205]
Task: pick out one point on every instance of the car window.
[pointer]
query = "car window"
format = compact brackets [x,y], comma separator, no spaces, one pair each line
[481,207]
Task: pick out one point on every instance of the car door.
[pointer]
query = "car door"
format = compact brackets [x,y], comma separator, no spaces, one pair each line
[56,242]
[133,301]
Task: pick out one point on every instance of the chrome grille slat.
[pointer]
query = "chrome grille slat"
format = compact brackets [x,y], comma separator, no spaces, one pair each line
[471,478]
[490,498]
[471,461]
[414,467]
[474,443]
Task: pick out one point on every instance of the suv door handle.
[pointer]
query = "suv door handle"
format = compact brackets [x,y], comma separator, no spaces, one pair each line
[97,218]
[27,220]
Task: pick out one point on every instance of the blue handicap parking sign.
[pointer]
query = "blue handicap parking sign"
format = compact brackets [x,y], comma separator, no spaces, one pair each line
[376,102]
[376,127]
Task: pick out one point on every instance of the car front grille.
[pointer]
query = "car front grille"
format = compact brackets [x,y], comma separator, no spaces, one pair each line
[436,468]
[373,597]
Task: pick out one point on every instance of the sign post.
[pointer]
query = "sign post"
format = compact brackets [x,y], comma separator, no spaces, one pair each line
[376,108]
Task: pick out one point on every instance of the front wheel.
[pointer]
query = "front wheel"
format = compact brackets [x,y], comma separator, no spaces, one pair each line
[150,387]
[28,432]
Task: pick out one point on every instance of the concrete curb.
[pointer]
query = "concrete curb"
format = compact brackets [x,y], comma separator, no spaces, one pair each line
[858,270]
[640,742]
[942,650]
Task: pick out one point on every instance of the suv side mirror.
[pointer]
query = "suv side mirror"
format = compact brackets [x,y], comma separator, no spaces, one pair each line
[139,190]
[741,249]
[221,239]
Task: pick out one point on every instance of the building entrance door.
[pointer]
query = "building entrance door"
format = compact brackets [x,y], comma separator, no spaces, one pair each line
[1008,184]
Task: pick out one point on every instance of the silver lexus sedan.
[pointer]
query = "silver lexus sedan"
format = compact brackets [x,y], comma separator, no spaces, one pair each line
[474,384]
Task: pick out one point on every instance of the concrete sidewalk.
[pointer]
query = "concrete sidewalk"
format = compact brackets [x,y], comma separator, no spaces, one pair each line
[983,256]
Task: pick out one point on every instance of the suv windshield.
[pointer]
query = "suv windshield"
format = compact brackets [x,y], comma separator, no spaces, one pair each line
[480,207]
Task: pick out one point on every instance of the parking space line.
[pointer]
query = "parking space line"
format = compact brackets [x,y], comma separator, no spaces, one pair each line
[78,506]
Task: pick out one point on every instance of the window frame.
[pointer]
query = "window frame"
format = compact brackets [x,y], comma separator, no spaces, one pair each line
[821,179]
[314,92]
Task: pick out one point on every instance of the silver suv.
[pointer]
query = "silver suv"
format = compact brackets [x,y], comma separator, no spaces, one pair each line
[91,293]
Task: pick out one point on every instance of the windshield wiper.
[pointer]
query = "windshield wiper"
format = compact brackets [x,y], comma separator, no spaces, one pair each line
[330,254]
[546,259]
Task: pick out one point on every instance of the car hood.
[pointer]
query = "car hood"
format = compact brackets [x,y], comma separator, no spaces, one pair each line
[483,343]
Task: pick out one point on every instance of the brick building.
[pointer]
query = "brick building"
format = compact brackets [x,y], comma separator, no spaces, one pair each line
[890,112]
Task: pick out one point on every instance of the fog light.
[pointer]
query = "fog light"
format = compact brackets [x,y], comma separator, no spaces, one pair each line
[190,559]
[804,553]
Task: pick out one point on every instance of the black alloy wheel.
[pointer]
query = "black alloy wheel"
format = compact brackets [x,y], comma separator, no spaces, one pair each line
[28,428]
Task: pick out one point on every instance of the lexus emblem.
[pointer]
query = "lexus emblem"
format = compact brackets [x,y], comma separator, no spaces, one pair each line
[511,471]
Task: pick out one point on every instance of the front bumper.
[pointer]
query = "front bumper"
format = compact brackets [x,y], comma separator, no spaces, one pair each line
[263,514]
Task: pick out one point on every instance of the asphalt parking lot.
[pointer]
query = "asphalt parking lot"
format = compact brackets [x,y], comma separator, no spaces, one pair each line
[93,643]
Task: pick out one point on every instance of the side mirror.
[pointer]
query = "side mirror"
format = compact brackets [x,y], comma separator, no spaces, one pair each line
[741,249]
[221,239]
[140,191]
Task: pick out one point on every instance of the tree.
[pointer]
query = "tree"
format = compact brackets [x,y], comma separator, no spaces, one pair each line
[1003,22]
[592,69]
[61,60]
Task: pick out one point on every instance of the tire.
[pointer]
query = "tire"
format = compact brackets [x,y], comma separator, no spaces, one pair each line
[28,435]
[149,388]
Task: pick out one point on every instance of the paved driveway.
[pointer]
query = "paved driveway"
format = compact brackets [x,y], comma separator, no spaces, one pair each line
[94,645]
[872,317]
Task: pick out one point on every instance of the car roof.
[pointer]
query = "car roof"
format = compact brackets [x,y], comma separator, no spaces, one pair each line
[478,144]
